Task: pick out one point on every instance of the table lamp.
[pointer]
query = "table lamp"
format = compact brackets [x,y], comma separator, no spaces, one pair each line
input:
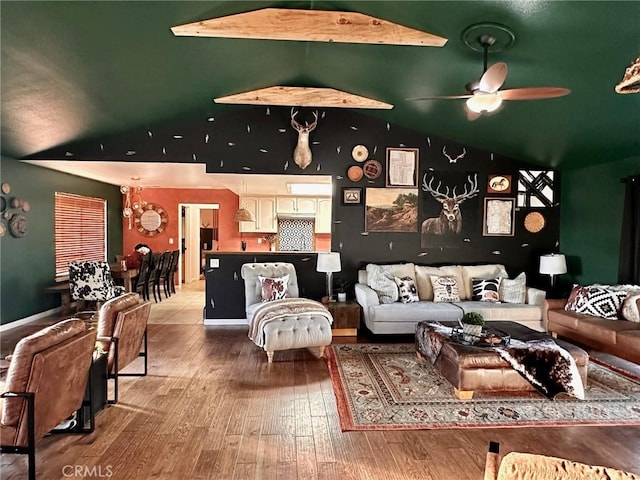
[329,262]
[552,265]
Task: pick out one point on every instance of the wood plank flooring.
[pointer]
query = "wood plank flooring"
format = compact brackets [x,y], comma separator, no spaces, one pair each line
[213,408]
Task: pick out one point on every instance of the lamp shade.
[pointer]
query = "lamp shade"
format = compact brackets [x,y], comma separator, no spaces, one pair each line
[553,264]
[243,215]
[329,262]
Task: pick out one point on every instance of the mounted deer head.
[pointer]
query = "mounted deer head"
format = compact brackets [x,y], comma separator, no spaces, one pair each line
[302,153]
[450,218]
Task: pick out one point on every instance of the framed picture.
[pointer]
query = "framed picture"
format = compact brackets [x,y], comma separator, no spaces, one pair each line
[391,210]
[351,196]
[499,217]
[402,167]
[499,184]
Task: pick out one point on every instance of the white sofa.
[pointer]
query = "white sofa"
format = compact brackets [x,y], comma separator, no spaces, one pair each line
[401,318]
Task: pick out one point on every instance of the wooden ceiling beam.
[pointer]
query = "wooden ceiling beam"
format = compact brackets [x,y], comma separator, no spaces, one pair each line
[309,26]
[303,97]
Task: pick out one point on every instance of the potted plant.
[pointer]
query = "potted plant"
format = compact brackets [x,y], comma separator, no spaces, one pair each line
[342,285]
[472,323]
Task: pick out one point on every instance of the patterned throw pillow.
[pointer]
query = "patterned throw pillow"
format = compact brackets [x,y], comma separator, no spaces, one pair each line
[274,288]
[407,289]
[514,290]
[486,289]
[445,289]
[382,283]
[597,301]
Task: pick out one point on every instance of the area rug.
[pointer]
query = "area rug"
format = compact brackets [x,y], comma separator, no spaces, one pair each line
[386,387]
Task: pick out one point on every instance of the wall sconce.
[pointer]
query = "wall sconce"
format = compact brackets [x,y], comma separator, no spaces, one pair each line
[328,263]
[552,265]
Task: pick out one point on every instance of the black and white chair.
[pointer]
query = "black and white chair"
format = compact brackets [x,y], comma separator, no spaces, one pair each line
[92,282]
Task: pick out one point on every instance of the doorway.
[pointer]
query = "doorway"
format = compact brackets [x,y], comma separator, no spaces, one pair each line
[194,217]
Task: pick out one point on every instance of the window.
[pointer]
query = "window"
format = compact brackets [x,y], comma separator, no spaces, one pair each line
[80,230]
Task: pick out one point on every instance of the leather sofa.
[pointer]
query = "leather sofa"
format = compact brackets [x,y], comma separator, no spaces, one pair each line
[617,337]
[401,318]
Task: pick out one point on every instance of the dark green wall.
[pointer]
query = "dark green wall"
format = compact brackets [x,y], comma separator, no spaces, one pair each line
[27,264]
[591,219]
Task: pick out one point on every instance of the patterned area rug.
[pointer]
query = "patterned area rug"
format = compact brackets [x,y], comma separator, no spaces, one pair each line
[385,387]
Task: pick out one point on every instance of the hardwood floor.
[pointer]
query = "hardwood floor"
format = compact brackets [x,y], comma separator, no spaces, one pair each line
[213,408]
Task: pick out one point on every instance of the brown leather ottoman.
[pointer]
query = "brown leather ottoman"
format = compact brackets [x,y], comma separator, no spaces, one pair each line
[471,369]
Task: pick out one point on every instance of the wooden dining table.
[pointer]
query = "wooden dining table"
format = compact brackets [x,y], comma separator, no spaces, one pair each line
[126,275]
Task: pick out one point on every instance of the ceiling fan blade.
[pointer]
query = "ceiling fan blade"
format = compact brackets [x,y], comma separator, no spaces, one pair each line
[533,93]
[442,97]
[493,78]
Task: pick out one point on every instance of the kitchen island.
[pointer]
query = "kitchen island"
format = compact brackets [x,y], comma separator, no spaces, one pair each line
[224,287]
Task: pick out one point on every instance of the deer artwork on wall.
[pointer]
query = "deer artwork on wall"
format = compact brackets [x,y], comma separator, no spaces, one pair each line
[454,160]
[450,218]
[302,153]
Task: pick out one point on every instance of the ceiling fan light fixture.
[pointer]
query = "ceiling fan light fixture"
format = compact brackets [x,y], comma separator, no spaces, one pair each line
[484,102]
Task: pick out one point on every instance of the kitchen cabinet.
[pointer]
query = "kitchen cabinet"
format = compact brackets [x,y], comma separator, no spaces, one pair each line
[263,210]
[296,205]
[323,215]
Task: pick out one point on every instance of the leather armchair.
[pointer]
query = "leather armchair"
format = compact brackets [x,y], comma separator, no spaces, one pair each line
[122,333]
[45,385]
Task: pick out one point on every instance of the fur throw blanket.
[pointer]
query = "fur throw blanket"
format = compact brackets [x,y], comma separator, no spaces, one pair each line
[547,366]
[278,310]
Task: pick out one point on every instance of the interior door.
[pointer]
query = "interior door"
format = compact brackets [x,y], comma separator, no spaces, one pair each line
[192,241]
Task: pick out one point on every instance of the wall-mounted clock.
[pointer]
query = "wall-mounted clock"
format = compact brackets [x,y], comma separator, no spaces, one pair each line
[151,219]
[499,184]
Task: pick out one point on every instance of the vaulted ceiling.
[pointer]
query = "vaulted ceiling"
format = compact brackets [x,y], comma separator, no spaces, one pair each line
[74,71]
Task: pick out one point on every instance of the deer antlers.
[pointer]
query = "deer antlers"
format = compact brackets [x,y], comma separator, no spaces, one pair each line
[300,128]
[454,160]
[440,196]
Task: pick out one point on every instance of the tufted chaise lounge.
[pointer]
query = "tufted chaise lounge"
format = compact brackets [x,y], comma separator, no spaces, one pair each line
[303,330]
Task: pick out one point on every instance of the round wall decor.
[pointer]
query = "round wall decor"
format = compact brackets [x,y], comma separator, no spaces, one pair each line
[354,173]
[372,169]
[359,153]
[534,222]
[6,188]
[151,219]
[18,225]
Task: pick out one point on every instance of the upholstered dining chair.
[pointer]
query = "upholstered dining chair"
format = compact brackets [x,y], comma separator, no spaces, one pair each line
[92,282]
[122,333]
[45,385]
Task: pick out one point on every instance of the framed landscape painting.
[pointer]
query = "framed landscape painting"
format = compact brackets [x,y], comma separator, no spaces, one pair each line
[391,210]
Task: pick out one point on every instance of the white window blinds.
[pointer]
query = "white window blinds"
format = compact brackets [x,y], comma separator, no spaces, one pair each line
[80,230]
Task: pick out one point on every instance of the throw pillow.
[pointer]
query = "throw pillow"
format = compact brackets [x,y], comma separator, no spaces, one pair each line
[445,289]
[470,272]
[274,288]
[514,290]
[382,283]
[407,289]
[629,310]
[486,289]
[597,301]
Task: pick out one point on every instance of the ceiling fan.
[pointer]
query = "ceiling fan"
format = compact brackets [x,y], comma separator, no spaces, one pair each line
[484,95]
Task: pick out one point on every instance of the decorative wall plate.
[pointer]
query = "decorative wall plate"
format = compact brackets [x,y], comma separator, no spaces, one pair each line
[3,204]
[18,225]
[360,153]
[499,184]
[2,229]
[15,202]
[6,188]
[7,215]
[372,169]
[26,206]
[534,222]
[354,173]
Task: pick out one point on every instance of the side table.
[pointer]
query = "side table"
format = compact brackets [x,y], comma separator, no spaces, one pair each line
[346,318]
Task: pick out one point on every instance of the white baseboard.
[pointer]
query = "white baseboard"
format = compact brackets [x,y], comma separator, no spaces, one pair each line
[225,321]
[26,321]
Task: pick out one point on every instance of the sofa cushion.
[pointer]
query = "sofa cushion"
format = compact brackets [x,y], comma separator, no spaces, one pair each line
[486,289]
[382,283]
[515,312]
[274,288]
[596,301]
[604,330]
[514,290]
[469,272]
[445,289]
[407,291]
[411,313]
[630,308]
[628,341]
